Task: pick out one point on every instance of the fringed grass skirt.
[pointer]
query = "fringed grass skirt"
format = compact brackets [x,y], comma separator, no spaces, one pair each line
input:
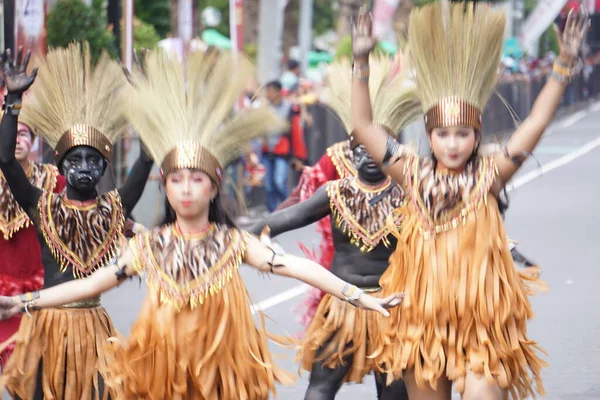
[70,346]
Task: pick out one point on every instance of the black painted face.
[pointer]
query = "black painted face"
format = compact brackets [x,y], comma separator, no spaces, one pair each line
[368,170]
[83,167]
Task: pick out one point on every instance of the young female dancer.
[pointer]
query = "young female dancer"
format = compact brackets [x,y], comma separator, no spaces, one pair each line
[465,317]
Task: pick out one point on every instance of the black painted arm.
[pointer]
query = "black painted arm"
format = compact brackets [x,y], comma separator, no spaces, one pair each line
[132,190]
[311,210]
[23,191]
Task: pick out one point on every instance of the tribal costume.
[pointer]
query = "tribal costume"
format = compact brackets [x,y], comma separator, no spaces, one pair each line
[21,267]
[195,337]
[336,163]
[339,340]
[340,333]
[61,352]
[467,306]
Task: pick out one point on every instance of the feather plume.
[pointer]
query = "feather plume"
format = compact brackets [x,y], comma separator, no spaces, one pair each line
[69,91]
[456,50]
[166,109]
[394,100]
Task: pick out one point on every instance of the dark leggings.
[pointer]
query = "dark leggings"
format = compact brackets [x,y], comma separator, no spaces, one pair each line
[326,382]
[39,394]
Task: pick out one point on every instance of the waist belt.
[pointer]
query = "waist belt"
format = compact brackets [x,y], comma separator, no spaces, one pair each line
[371,289]
[89,303]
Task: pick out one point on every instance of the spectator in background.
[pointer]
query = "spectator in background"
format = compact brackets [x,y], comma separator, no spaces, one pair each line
[290,78]
[282,148]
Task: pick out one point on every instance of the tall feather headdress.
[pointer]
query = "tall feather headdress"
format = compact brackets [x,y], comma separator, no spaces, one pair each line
[455,50]
[394,100]
[190,123]
[73,103]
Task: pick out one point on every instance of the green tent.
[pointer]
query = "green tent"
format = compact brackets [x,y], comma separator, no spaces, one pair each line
[211,37]
[317,57]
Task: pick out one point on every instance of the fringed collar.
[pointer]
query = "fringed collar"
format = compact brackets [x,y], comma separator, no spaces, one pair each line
[12,217]
[82,238]
[187,269]
[444,200]
[353,213]
[343,159]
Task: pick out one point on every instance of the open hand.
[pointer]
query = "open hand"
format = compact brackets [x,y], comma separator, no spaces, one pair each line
[376,304]
[8,308]
[16,79]
[363,41]
[571,39]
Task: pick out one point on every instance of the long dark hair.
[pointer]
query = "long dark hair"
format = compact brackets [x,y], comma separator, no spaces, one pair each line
[216,213]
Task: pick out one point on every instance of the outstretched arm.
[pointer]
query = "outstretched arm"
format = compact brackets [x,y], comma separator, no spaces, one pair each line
[527,136]
[17,81]
[384,150]
[313,209]
[132,190]
[261,254]
[80,289]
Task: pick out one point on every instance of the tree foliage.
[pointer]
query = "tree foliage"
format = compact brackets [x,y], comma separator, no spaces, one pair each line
[344,49]
[156,13]
[73,21]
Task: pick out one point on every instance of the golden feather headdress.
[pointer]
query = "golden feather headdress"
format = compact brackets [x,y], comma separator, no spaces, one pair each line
[191,124]
[455,50]
[393,97]
[73,103]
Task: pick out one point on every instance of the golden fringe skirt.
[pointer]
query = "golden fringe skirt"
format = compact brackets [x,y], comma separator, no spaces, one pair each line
[70,345]
[212,352]
[340,330]
[466,308]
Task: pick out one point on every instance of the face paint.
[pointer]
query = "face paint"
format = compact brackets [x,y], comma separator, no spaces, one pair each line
[368,170]
[24,143]
[83,167]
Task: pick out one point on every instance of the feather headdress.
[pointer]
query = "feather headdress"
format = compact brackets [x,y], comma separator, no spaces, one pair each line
[73,103]
[191,124]
[455,50]
[393,97]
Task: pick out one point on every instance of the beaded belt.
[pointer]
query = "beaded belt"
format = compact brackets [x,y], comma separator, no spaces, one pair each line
[371,289]
[89,303]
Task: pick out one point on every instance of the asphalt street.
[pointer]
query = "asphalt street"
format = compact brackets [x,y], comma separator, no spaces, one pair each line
[553,216]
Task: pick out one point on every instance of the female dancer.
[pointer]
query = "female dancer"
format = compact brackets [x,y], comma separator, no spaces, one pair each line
[465,317]
[21,267]
[59,351]
[195,337]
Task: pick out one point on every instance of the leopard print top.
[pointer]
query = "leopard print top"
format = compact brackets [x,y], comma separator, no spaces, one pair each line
[186,269]
[81,238]
[443,199]
[353,214]
[12,217]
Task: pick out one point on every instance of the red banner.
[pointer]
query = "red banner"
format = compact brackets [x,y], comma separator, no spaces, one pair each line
[236,24]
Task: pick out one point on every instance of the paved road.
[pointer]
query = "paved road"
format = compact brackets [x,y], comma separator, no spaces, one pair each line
[554,218]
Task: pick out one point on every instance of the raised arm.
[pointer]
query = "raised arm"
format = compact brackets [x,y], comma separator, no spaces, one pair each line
[527,136]
[311,210]
[132,190]
[79,289]
[266,257]
[17,82]
[386,151]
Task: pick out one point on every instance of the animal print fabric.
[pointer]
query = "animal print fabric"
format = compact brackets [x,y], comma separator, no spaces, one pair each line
[186,269]
[82,238]
[364,223]
[12,216]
